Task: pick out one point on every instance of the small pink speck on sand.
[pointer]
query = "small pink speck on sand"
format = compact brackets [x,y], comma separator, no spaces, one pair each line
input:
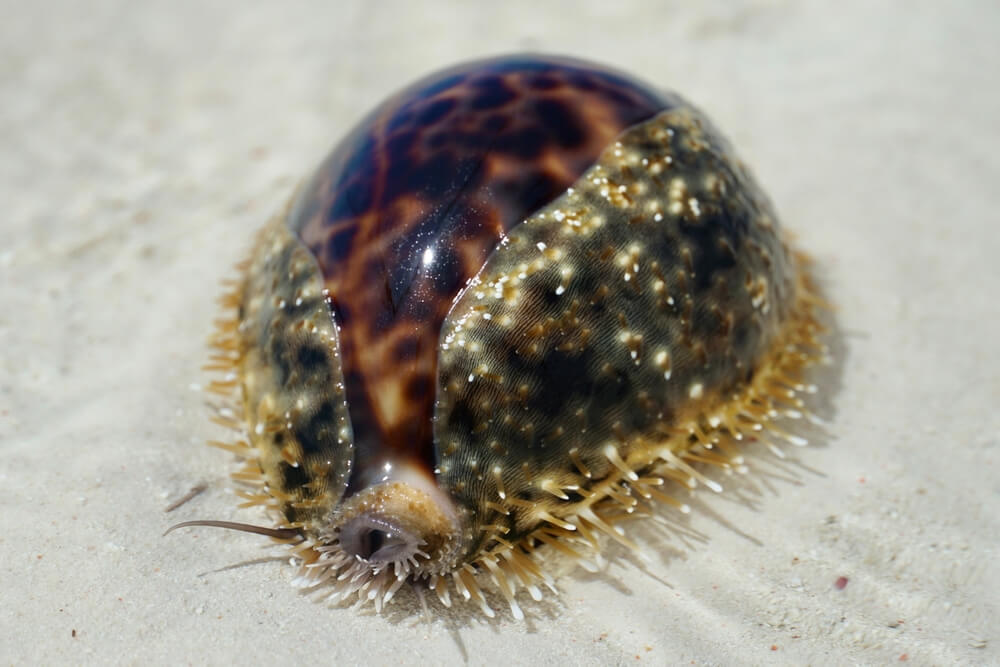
[841,583]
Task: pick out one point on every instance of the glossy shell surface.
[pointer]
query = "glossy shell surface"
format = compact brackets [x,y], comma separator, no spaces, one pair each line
[520,298]
[407,209]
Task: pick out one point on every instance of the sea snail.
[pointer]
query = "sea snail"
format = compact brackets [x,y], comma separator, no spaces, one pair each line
[519,300]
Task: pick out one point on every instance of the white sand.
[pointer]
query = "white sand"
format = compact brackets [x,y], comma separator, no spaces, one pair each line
[142,147]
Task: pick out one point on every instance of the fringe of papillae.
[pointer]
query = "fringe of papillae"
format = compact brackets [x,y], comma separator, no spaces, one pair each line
[339,577]
[712,440]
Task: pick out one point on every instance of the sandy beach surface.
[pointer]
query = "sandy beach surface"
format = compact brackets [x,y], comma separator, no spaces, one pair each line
[144,143]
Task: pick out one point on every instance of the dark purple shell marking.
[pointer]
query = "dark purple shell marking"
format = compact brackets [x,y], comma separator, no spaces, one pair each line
[412,202]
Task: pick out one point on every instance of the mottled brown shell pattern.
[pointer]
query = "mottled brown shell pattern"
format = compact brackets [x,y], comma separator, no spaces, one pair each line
[520,300]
